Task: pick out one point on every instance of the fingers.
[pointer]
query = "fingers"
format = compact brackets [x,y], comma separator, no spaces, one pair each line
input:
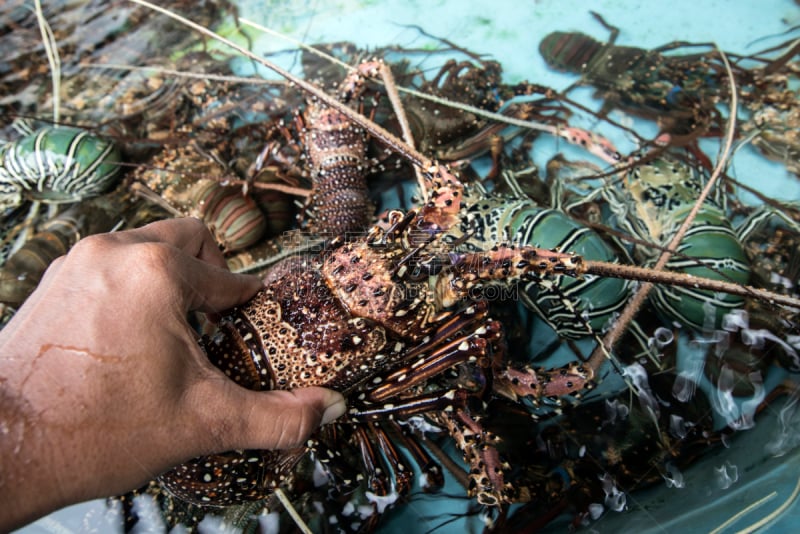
[209,288]
[238,418]
[186,233]
[285,419]
[201,273]
[207,283]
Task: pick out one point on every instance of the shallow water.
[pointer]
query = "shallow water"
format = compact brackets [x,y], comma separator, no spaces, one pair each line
[765,480]
[511,34]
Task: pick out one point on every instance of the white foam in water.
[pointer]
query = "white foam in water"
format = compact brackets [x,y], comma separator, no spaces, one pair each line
[737,415]
[381,502]
[724,398]
[615,410]
[420,424]
[673,477]
[678,426]
[684,387]
[638,376]
[727,474]
[269,523]
[750,406]
[662,337]
[149,515]
[365,510]
[735,320]
[212,524]
[348,508]
[691,373]
[775,278]
[756,338]
[320,475]
[787,435]
[710,314]
[615,499]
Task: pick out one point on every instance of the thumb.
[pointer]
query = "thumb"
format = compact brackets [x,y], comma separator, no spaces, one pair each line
[245,419]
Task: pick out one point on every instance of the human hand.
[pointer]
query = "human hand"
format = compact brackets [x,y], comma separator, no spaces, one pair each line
[103,385]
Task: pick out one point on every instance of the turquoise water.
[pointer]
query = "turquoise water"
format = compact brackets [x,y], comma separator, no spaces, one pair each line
[510,31]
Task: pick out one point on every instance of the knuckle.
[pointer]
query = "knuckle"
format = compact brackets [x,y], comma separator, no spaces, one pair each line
[93,245]
[56,264]
[150,263]
[188,226]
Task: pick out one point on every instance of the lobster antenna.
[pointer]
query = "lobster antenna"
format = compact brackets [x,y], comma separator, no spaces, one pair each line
[394,97]
[530,125]
[376,131]
[651,276]
[298,43]
[287,504]
[53,59]
[184,74]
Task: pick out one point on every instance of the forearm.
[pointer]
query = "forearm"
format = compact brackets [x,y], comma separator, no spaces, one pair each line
[63,440]
[49,439]
[31,481]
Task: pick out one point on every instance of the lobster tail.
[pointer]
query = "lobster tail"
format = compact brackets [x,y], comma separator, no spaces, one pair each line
[569,51]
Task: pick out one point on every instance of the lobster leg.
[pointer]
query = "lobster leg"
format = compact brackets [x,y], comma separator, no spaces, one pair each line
[439,401]
[571,379]
[379,481]
[473,347]
[487,468]
[471,272]
[341,474]
[276,160]
[432,476]
[403,477]
[342,477]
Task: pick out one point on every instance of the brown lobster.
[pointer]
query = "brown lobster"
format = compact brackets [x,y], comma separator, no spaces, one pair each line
[364,318]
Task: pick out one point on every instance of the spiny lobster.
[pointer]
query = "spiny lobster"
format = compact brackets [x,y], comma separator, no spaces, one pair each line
[196,171]
[363,318]
[651,200]
[678,91]
[336,161]
[56,164]
[437,263]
